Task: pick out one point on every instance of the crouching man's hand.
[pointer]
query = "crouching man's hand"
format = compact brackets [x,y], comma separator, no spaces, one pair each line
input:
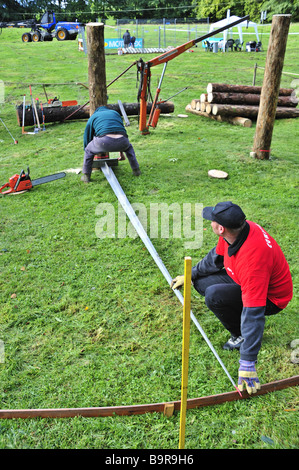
[177,282]
[248,376]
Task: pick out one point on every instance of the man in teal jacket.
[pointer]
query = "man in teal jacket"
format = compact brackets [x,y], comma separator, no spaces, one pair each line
[104,133]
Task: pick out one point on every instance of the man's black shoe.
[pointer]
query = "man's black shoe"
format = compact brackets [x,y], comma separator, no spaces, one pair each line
[136,172]
[233,343]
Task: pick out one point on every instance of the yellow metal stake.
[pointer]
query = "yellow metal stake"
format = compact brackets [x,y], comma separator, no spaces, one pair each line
[185,348]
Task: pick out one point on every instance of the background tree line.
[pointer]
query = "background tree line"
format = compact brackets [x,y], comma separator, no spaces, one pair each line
[90,10]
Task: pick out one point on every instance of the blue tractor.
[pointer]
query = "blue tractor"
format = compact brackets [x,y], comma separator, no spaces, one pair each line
[48,29]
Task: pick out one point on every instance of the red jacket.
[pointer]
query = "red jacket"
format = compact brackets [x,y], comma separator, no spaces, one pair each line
[260,268]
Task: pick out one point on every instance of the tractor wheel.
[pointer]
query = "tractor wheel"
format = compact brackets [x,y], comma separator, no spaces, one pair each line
[36,36]
[62,34]
[26,37]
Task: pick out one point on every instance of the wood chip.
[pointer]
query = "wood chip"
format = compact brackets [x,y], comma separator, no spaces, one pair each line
[217,174]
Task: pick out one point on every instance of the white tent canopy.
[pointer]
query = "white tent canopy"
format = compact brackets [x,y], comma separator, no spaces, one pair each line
[231,19]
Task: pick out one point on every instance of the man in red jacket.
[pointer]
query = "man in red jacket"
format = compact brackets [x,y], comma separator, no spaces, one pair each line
[243,279]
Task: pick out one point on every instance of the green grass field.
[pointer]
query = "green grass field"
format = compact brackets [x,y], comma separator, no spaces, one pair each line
[91,322]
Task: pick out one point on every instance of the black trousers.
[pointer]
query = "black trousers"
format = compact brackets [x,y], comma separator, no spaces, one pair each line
[108,144]
[224,298]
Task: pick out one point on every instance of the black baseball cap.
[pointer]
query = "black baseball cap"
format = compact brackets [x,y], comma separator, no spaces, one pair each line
[225,213]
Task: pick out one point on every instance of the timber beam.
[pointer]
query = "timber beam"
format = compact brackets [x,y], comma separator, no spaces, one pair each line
[192,403]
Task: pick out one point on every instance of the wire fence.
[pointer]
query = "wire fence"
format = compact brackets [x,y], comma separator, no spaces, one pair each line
[159,33]
[165,32]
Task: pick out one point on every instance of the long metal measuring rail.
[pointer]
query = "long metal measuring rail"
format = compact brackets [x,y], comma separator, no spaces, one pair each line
[122,198]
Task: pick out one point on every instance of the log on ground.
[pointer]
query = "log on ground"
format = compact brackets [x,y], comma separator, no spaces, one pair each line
[69,113]
[207,107]
[252,111]
[237,120]
[249,98]
[224,87]
[194,103]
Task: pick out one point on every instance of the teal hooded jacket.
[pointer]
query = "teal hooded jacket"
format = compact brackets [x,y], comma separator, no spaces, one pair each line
[103,121]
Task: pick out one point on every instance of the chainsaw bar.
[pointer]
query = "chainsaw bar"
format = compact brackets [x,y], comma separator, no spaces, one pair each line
[47,179]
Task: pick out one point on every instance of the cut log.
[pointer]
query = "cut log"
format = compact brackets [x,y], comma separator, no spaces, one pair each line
[204,97]
[249,98]
[201,113]
[288,101]
[60,113]
[224,87]
[193,103]
[237,120]
[208,108]
[219,174]
[251,111]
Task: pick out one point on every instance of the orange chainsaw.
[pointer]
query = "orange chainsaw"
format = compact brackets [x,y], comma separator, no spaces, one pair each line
[23,182]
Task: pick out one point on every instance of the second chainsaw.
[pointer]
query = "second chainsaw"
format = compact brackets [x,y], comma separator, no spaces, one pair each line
[23,182]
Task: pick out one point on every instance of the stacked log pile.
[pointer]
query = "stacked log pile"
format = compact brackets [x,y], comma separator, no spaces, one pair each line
[239,104]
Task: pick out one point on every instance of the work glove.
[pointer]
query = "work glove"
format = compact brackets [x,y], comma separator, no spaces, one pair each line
[177,282]
[248,375]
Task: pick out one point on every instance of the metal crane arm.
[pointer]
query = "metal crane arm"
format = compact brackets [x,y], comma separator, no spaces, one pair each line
[144,69]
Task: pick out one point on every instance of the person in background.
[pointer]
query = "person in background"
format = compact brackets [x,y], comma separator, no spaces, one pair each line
[104,133]
[127,38]
[243,279]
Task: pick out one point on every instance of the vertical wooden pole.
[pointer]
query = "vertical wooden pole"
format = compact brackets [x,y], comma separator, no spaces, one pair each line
[271,84]
[185,349]
[96,66]
[254,74]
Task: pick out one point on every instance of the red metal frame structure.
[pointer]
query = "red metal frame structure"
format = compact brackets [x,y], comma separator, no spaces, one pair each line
[144,69]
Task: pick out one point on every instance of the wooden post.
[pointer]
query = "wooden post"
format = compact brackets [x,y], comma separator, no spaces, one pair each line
[96,66]
[185,348]
[270,88]
[254,74]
